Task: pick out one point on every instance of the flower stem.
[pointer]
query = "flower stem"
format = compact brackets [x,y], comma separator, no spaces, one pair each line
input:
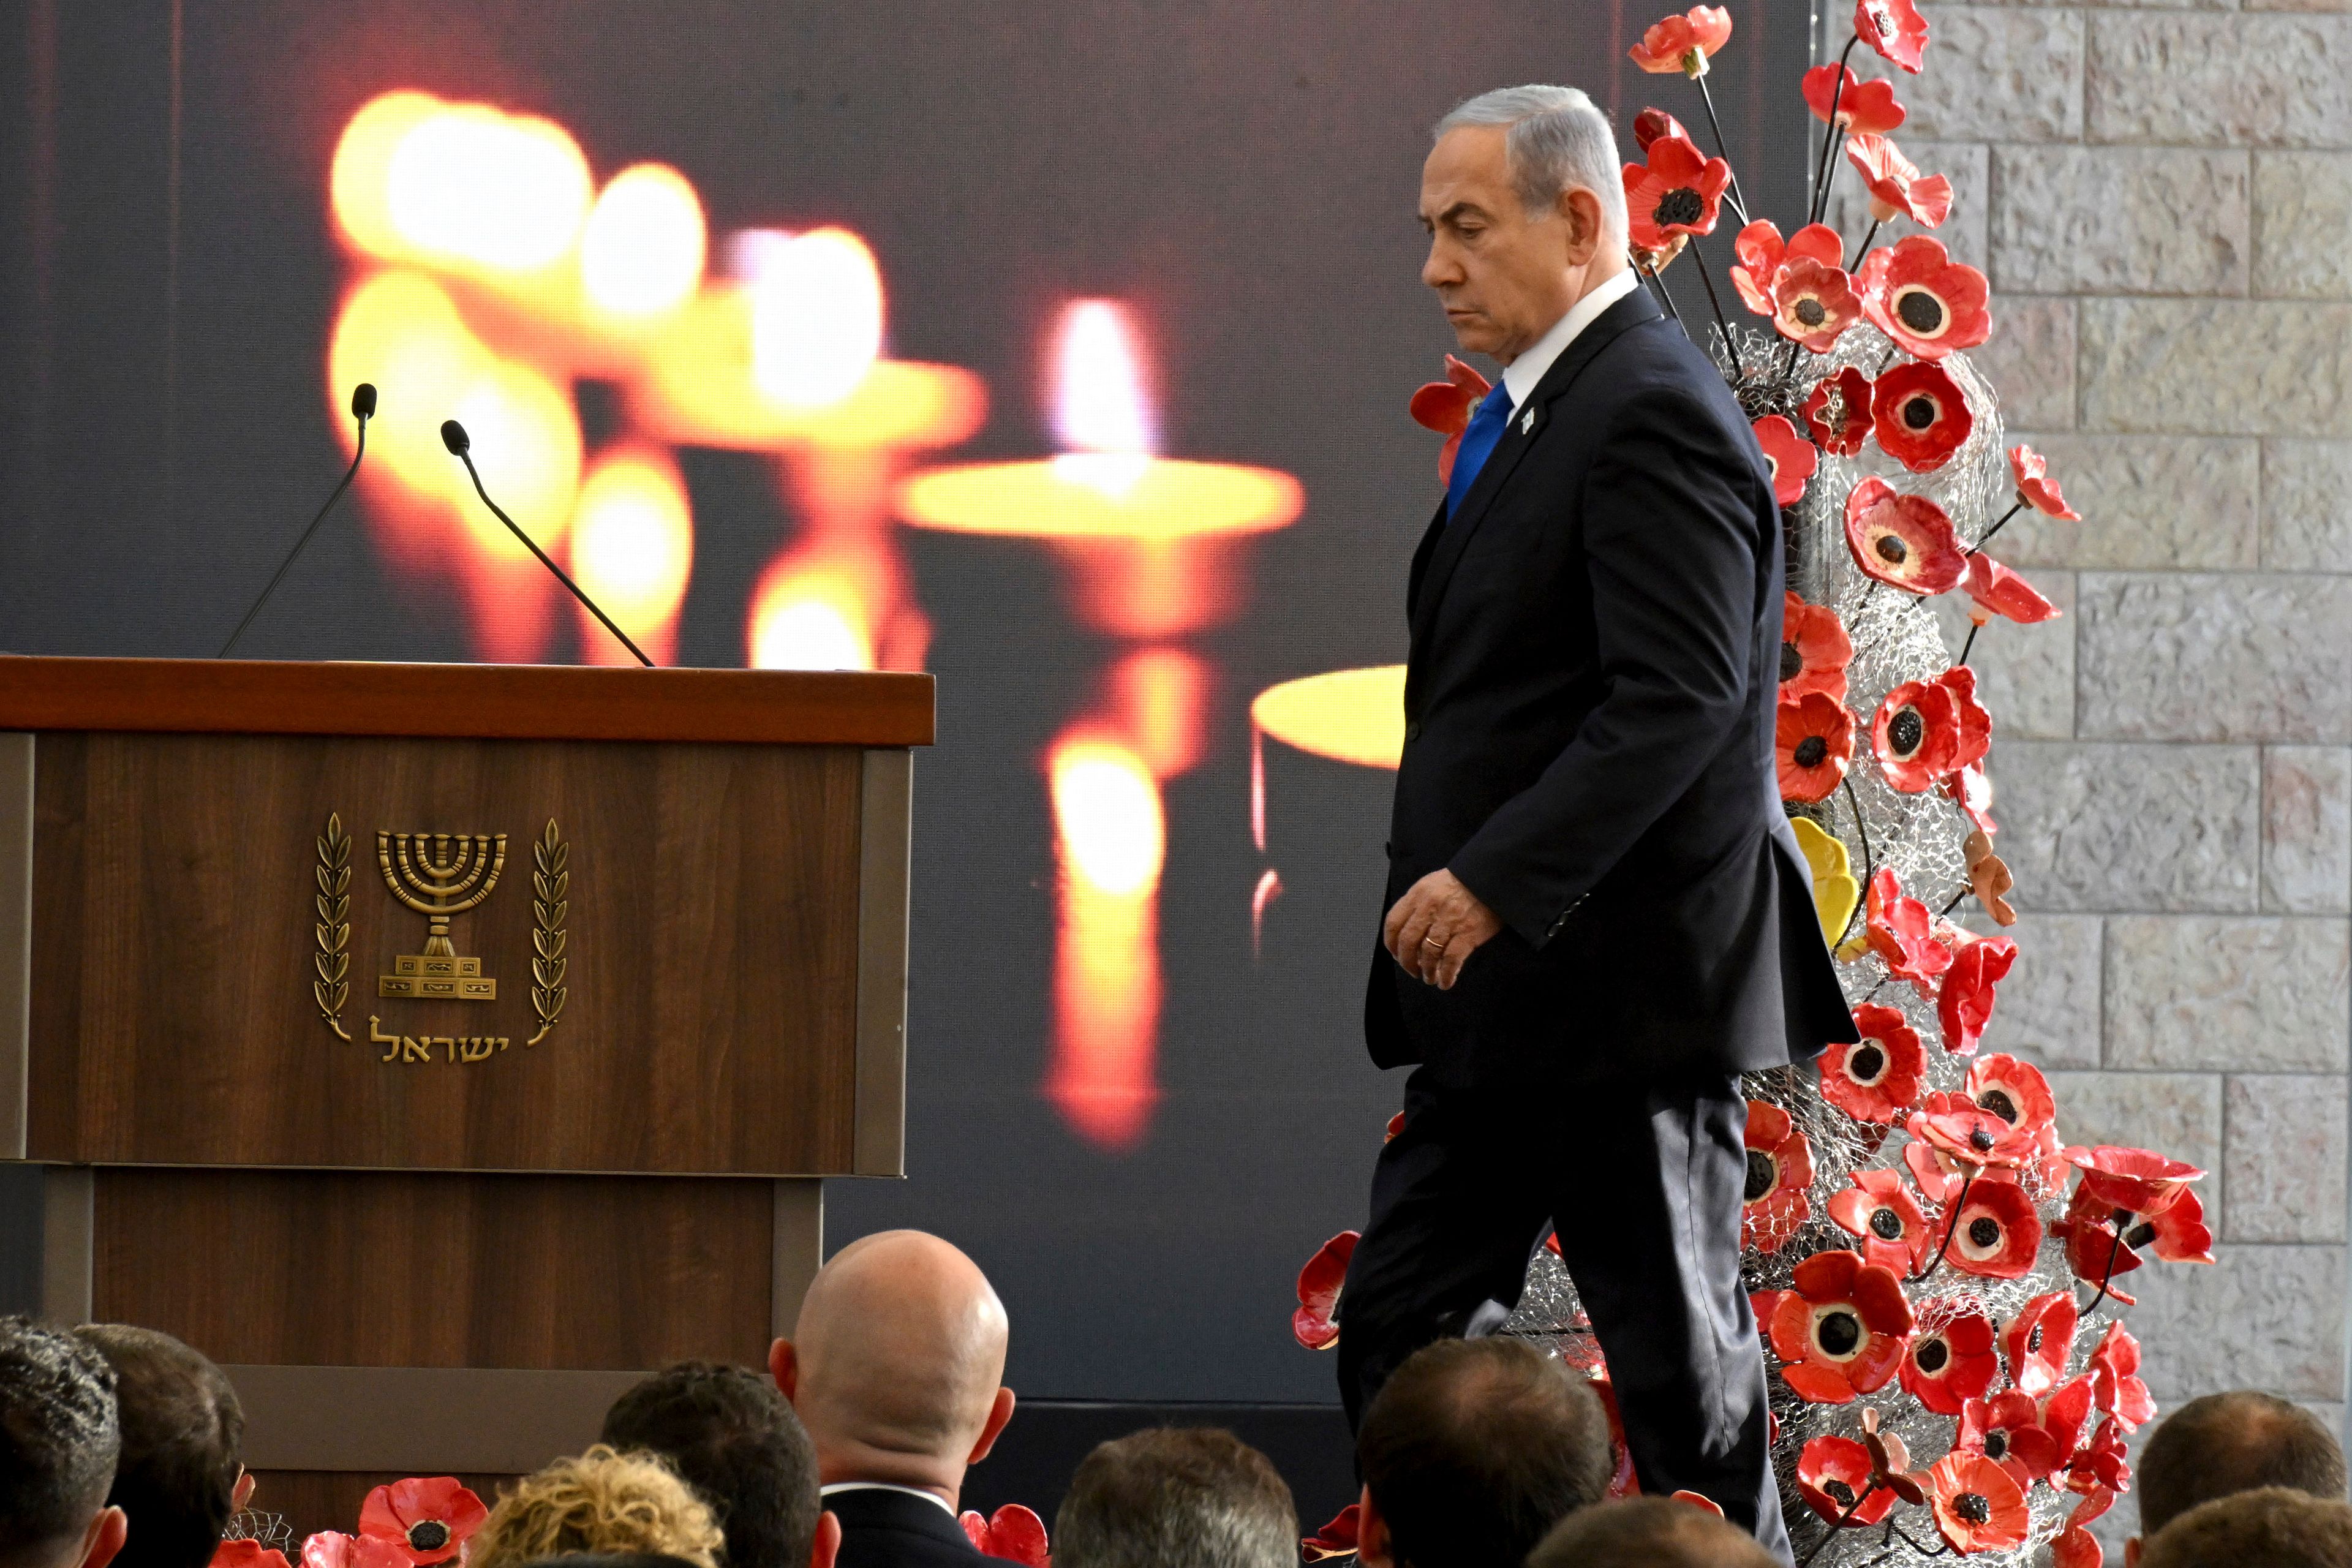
[2109,1272]
[1842,1521]
[1961,1197]
[1818,202]
[1988,533]
[1869,867]
[1720,324]
[1659,279]
[1856,264]
[1723,150]
[1974,627]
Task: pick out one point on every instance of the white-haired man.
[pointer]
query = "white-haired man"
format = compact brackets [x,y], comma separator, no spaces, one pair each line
[1597,915]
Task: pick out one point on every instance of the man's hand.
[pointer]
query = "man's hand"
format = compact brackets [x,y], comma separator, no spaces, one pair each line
[1435,927]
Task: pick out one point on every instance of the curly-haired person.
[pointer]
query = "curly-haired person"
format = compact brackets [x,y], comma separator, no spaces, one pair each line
[601,1501]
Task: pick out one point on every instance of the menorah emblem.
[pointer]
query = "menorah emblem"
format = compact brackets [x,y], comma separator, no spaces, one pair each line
[454,875]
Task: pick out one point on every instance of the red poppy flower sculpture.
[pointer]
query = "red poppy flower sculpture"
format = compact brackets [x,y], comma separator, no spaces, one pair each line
[2031,1439]
[428,1519]
[1813,742]
[1315,1325]
[1977,1505]
[332,1548]
[1947,1366]
[1916,294]
[1916,735]
[2075,1546]
[1833,1477]
[1895,28]
[1779,1198]
[1969,1136]
[1904,542]
[1842,1330]
[1336,1538]
[1880,1211]
[1996,1233]
[2116,1384]
[1653,124]
[1011,1534]
[1995,590]
[1815,650]
[1788,456]
[2013,1091]
[244,1553]
[1896,187]
[1682,43]
[2038,1341]
[1445,407]
[1919,415]
[1863,108]
[1877,1077]
[2137,1179]
[1814,303]
[1901,932]
[2098,1251]
[2036,489]
[2103,1462]
[1964,1004]
[1837,412]
[1678,191]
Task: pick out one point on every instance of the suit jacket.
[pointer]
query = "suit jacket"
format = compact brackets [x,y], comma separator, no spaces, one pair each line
[1589,741]
[882,1529]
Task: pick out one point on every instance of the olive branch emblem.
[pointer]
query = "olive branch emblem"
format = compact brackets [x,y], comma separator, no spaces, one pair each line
[334,959]
[550,881]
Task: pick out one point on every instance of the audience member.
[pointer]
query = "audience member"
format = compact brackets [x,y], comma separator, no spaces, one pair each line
[2226,1442]
[611,1560]
[1649,1532]
[1471,1451]
[730,1435]
[179,1477]
[58,1439]
[1176,1497]
[2270,1527]
[895,1367]
[624,1504]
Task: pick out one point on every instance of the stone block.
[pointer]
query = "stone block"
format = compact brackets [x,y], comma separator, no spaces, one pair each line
[2302,213]
[2025,675]
[1963,231]
[2307,829]
[2247,994]
[2092,827]
[2047,1011]
[2174,1114]
[2306,506]
[2266,1317]
[2148,503]
[2202,79]
[2030,362]
[2237,656]
[2283,1160]
[1996,73]
[2119,220]
[2217,367]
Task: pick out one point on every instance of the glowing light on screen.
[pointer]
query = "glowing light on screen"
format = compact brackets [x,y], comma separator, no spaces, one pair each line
[816,312]
[643,250]
[1111,839]
[400,331]
[1161,696]
[505,192]
[526,444]
[1349,715]
[808,620]
[633,551]
[1101,415]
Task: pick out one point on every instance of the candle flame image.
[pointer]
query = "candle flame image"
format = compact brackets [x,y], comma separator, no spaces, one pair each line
[816,313]
[643,250]
[1353,716]
[1100,414]
[808,620]
[1110,840]
[633,552]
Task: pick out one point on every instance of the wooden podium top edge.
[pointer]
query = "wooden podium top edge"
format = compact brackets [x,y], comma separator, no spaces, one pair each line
[472,702]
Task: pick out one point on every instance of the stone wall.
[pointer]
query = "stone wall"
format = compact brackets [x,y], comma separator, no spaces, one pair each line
[2162,199]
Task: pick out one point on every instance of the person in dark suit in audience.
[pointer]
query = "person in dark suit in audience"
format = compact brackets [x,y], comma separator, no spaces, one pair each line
[2270,1527]
[58,1441]
[1648,1532]
[896,1368]
[730,1435]
[181,1475]
[1176,1497]
[2226,1442]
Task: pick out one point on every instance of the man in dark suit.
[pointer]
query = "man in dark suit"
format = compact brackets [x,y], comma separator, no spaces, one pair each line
[896,1367]
[1597,914]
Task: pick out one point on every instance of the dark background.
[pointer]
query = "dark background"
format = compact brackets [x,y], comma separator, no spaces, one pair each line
[1244,173]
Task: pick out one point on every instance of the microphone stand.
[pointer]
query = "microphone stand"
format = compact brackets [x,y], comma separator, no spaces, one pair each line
[282,566]
[467,457]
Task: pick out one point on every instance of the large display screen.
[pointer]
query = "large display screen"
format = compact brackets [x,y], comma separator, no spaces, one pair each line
[1059,349]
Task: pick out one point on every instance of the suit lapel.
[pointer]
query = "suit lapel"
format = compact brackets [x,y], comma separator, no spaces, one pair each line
[1453,537]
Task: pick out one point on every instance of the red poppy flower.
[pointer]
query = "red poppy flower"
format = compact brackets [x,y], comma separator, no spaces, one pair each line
[1676,192]
[1905,542]
[1901,932]
[1976,724]
[1336,1538]
[2031,1439]
[1923,299]
[244,1553]
[1978,1507]
[2075,1546]
[1970,1136]
[1895,28]
[2097,1254]
[1396,1125]
[1682,43]
[2116,1384]
[1699,1501]
[1864,107]
[428,1519]
[1837,412]
[1653,124]
[1896,186]
[1876,1078]
[1813,741]
[1780,1178]
[1948,1366]
[1812,303]
[2036,489]
[1833,1474]
[1842,1330]
[1013,1533]
[1996,1233]
[1995,590]
[1315,1324]
[2013,1091]
[2038,1341]
[1964,1006]
[1919,415]
[1790,458]
[1445,407]
[332,1548]
[1971,791]
[2135,1179]
[1916,735]
[2100,1464]
[1880,1210]
[1815,650]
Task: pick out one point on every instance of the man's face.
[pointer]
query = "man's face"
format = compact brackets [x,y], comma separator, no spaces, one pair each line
[1504,275]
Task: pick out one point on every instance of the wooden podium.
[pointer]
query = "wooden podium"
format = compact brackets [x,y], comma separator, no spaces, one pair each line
[437,1047]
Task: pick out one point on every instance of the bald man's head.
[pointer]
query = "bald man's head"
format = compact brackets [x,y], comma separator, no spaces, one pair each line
[897,1365]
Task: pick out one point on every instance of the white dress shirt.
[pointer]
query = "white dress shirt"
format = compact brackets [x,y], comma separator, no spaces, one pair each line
[932,1498]
[1522,377]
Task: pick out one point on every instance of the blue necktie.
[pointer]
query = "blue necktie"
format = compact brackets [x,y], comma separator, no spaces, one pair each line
[1478,441]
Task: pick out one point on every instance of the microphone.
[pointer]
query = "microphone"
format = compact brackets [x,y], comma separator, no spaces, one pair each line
[461,445]
[363,410]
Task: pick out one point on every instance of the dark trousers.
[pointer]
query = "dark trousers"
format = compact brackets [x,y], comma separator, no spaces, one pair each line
[1643,1185]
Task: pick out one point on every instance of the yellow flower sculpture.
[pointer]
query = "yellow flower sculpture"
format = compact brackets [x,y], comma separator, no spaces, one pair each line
[1836,891]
